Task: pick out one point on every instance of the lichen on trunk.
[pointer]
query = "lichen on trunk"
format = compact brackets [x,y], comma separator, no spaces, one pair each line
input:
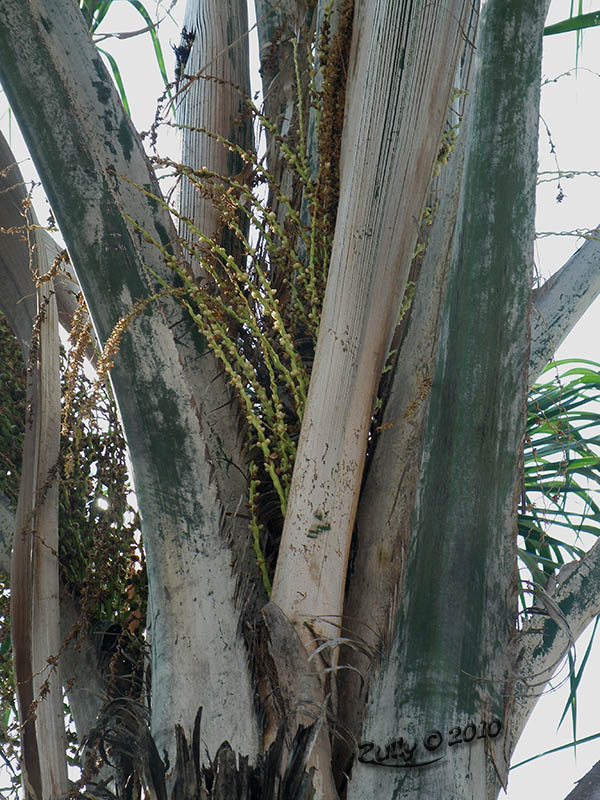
[448,667]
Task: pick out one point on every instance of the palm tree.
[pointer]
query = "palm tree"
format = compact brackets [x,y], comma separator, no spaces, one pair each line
[213,338]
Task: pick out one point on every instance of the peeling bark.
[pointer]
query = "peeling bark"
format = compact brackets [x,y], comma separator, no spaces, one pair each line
[45,633]
[21,610]
[34,571]
[79,670]
[35,617]
[373,246]
[43,422]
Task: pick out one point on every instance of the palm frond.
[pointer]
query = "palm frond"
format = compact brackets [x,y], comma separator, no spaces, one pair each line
[561,472]
[94,12]
[577,23]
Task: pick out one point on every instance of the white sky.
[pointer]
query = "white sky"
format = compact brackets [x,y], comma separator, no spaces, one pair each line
[571,110]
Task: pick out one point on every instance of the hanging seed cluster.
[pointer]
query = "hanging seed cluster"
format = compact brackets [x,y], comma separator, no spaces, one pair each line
[12,412]
[100,546]
[257,288]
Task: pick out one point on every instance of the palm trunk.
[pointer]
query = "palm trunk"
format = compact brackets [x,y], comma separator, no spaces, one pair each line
[445,686]
[376,228]
[197,651]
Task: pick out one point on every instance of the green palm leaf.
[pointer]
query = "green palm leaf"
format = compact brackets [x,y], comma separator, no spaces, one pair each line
[561,482]
[558,749]
[118,79]
[94,12]
[153,35]
[561,473]
[577,23]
